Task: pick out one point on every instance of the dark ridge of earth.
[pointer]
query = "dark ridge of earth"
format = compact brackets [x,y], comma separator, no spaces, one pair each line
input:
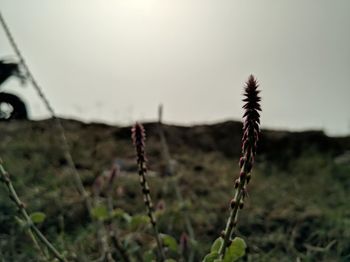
[224,137]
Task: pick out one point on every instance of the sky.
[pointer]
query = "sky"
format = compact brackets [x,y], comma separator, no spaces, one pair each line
[115,61]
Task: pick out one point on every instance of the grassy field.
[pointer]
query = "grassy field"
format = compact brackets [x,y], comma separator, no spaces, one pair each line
[297,210]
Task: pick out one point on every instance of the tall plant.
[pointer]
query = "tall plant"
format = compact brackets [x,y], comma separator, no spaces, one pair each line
[139,138]
[251,132]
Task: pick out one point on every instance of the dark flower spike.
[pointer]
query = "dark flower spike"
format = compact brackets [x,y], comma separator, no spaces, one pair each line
[251,116]
[138,136]
[251,132]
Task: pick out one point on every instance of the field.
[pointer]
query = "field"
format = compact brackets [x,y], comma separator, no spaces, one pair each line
[297,209]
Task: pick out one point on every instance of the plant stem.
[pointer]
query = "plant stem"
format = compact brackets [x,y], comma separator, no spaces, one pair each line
[232,220]
[149,206]
[139,137]
[78,181]
[165,148]
[36,245]
[14,197]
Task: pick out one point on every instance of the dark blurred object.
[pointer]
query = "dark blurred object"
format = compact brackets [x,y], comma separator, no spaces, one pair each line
[11,106]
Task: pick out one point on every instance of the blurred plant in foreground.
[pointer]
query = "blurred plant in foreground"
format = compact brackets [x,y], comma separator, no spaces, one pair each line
[28,220]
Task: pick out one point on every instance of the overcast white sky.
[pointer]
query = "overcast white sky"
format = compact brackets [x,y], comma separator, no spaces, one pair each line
[115,60]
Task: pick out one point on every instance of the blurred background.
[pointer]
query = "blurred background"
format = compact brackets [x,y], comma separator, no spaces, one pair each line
[105,64]
[115,61]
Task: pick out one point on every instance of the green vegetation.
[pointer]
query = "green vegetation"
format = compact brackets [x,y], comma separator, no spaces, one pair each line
[297,208]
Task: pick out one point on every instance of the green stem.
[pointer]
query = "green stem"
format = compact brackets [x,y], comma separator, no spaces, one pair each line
[150,208]
[36,245]
[232,220]
[14,197]
[78,182]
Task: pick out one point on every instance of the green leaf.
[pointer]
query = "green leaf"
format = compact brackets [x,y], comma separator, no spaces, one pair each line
[37,217]
[149,256]
[22,223]
[170,260]
[216,245]
[133,248]
[236,250]
[120,213]
[100,212]
[184,205]
[169,242]
[139,221]
[127,217]
[194,244]
[213,256]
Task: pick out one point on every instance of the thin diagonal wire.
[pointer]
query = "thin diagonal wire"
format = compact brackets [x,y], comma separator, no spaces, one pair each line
[65,145]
